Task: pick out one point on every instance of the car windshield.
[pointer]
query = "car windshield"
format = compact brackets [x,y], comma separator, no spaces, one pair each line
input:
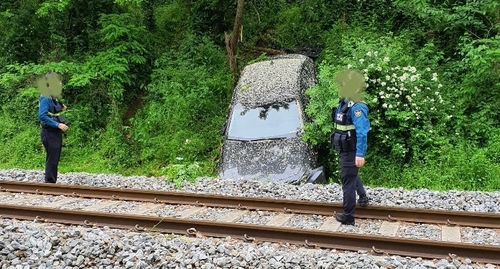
[273,121]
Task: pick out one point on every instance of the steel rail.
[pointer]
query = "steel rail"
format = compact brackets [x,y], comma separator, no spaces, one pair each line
[256,233]
[451,218]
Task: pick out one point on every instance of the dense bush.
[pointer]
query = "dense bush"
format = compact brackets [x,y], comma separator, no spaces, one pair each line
[148,87]
[417,124]
[183,114]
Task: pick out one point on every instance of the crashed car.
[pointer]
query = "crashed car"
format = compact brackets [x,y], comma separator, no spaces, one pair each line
[263,133]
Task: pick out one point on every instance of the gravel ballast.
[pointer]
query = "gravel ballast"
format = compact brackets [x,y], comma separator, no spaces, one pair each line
[42,245]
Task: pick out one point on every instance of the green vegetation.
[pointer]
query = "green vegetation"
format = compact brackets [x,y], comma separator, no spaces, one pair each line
[148,84]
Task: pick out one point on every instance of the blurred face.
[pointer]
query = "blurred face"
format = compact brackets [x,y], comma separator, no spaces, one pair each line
[50,85]
[351,85]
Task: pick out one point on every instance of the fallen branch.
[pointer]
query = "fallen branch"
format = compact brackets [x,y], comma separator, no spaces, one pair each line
[270,51]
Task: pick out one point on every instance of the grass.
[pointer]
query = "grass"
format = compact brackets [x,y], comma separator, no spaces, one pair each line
[455,168]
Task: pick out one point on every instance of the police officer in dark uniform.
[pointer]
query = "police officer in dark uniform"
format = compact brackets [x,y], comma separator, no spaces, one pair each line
[350,140]
[53,124]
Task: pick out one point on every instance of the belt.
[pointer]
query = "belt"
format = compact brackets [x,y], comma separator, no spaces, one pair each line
[49,128]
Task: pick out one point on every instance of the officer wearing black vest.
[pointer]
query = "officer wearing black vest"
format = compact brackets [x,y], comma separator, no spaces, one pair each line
[349,138]
[53,124]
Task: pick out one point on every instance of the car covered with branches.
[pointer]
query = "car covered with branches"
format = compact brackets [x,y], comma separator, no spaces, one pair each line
[263,135]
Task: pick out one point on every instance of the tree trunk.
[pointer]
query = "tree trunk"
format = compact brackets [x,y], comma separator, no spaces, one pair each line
[232,41]
[188,6]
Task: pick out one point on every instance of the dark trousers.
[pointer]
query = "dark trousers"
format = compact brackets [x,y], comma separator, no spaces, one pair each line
[351,183]
[52,142]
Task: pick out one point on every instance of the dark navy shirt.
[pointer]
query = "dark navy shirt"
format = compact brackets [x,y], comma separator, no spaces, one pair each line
[43,110]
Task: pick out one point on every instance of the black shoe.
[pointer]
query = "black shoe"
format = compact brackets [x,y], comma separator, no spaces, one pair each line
[363,201]
[344,220]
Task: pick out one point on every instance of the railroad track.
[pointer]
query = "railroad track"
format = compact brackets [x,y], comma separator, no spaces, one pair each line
[175,212]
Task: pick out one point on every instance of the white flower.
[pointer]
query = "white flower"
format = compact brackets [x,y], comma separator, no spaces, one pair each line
[413,69]
[369,53]
[379,68]
[387,77]
[428,69]
[434,77]
[381,93]
[397,95]
[383,84]
[349,66]
[375,99]
[450,116]
[439,86]
[384,105]
[403,77]
[390,106]
[361,60]
[375,53]
[386,59]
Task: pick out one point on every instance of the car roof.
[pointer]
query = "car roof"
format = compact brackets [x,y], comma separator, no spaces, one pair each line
[277,79]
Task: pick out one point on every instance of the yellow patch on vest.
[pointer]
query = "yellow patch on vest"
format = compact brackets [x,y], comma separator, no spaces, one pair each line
[357,113]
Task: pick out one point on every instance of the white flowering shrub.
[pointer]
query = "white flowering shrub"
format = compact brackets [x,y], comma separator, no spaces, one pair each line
[408,113]
[407,110]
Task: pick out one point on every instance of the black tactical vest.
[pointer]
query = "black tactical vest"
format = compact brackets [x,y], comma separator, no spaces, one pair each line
[54,111]
[343,137]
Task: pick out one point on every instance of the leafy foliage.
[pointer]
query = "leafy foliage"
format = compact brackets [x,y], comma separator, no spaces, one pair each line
[414,115]
[147,84]
[181,120]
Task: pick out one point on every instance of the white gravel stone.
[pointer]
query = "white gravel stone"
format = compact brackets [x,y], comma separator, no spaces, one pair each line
[34,245]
